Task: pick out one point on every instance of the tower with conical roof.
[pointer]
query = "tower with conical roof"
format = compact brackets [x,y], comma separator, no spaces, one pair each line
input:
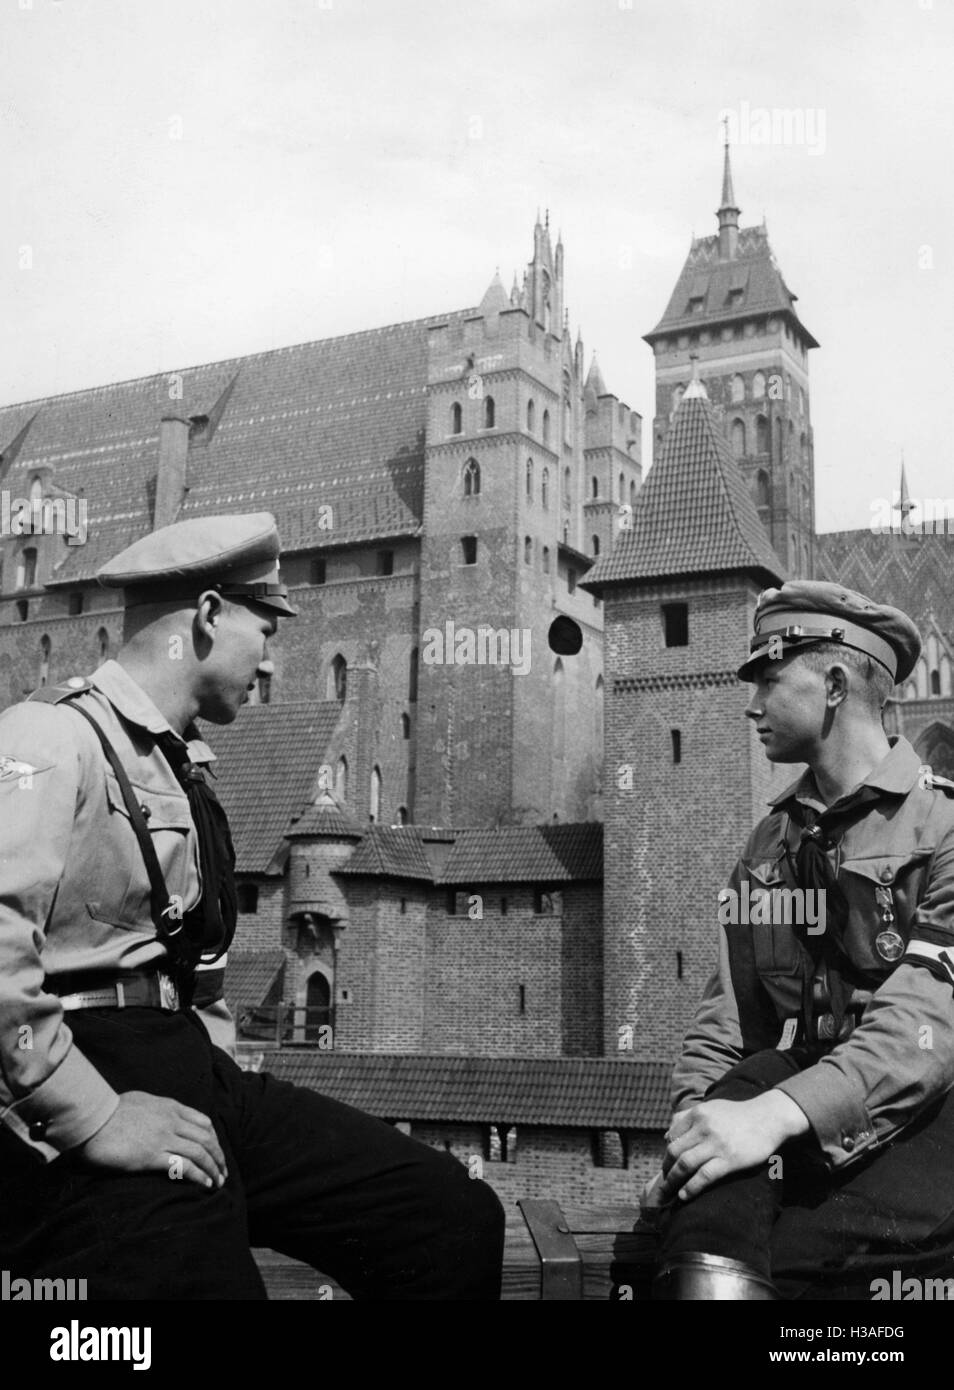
[732,308]
[684,774]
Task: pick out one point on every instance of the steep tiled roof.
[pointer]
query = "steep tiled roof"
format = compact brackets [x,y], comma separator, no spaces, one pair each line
[749,283]
[514,854]
[391,852]
[266,769]
[528,854]
[249,975]
[338,422]
[693,514]
[572,1092]
[325,816]
[914,573]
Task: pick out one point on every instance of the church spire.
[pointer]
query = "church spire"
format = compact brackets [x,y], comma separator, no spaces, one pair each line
[728,213]
[904,503]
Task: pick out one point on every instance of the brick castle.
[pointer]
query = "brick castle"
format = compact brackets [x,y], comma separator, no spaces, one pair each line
[478,878]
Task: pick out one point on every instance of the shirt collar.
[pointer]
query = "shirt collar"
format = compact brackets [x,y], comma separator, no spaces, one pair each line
[132,702]
[897,773]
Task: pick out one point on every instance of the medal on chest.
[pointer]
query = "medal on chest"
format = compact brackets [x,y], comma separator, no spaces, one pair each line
[888,943]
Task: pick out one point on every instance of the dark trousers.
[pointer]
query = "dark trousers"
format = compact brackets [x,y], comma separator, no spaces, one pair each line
[386,1216]
[821,1234]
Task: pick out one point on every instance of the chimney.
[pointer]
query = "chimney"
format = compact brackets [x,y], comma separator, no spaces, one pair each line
[173,462]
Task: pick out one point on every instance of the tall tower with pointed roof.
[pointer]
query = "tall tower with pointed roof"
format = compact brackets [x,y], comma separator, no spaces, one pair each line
[732,308]
[684,775]
[522,470]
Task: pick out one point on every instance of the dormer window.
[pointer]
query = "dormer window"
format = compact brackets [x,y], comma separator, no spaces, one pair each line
[695,303]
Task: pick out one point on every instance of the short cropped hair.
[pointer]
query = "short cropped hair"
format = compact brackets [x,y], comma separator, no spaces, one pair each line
[876,679]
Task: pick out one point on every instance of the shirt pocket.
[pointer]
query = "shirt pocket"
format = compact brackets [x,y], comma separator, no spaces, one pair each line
[775,947]
[883,892]
[125,899]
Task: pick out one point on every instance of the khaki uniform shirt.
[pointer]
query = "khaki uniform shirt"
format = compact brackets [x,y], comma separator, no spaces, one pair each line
[74,893]
[896,867]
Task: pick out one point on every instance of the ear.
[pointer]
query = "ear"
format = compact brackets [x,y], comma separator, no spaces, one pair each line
[837,684]
[209,613]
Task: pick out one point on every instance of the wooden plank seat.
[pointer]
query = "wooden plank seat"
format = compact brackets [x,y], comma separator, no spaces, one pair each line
[551,1253]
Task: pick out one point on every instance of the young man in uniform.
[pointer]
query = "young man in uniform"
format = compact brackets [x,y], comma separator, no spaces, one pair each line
[133,1151]
[811,1150]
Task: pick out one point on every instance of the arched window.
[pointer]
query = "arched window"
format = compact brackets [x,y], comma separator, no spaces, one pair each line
[338,679]
[26,568]
[546,559]
[102,637]
[559,709]
[489,412]
[546,427]
[401,818]
[622,488]
[596,545]
[341,779]
[36,491]
[935,682]
[761,435]
[527,550]
[46,647]
[763,496]
[531,414]
[677,394]
[632,492]
[738,438]
[566,487]
[471,478]
[405,726]
[758,385]
[545,487]
[737,388]
[457,423]
[529,480]
[374,809]
[598,715]
[317,1005]
[412,676]
[595,485]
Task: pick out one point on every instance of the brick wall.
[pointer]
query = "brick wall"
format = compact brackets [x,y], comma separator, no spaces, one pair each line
[262,930]
[673,831]
[549,1163]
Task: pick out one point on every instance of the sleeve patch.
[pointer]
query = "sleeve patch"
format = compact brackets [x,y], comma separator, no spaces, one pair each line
[16,770]
[938,959]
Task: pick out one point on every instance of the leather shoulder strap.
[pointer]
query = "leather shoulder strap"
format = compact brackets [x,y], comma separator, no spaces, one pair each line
[159,895]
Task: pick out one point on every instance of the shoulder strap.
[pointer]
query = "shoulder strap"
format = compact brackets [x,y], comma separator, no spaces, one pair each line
[159,895]
[56,694]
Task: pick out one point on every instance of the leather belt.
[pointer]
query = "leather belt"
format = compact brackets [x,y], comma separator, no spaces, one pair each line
[155,990]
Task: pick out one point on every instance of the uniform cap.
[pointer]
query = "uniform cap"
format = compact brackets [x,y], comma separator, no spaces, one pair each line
[236,555]
[805,612]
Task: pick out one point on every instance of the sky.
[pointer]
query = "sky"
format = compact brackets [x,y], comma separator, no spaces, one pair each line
[200,179]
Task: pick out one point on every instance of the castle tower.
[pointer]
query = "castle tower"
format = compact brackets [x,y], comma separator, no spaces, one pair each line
[732,308]
[501,552]
[685,777]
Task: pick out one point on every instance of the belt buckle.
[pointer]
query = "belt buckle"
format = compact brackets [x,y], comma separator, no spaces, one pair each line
[168,993]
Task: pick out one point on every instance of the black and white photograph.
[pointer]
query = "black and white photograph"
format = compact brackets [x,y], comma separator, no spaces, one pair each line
[477,667]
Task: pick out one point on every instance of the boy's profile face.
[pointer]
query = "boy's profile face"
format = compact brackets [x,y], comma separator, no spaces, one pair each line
[788,707]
